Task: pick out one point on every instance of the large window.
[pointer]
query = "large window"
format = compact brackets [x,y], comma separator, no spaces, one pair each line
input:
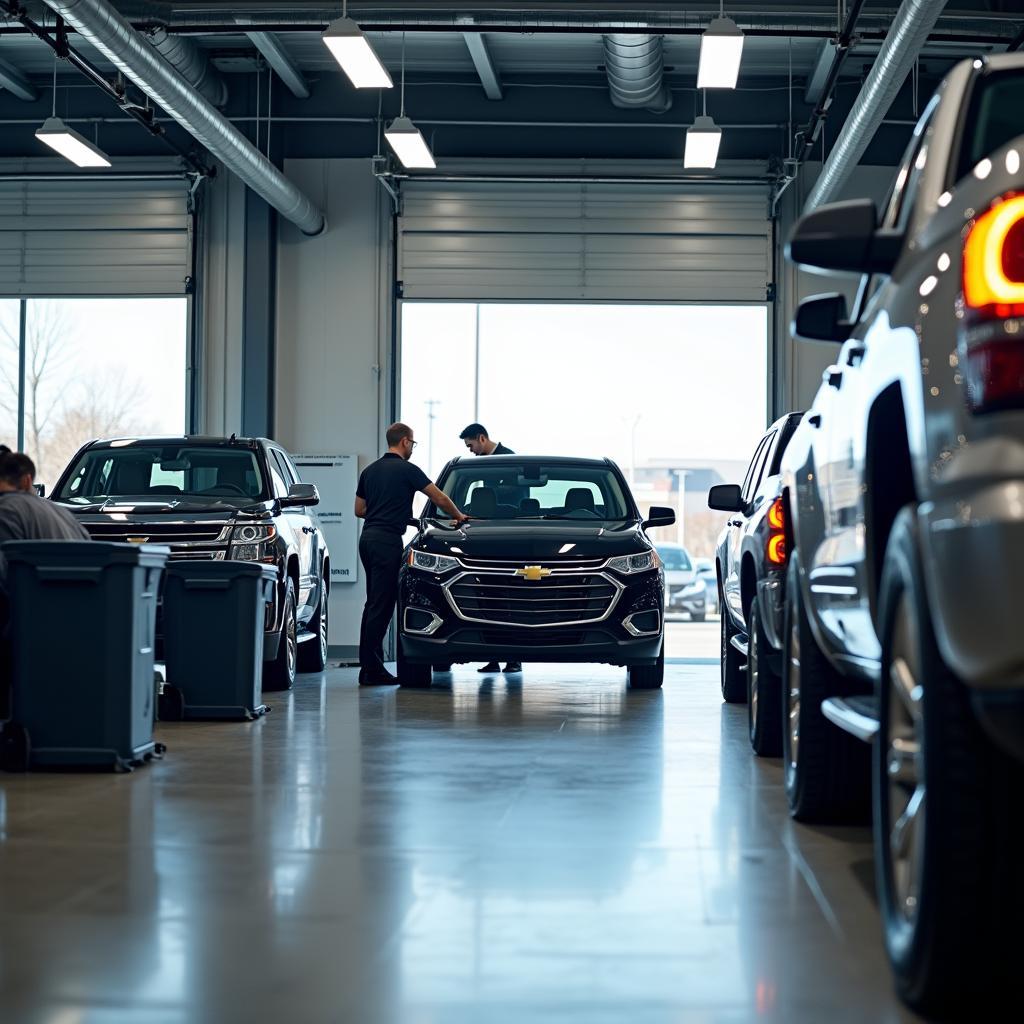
[93,368]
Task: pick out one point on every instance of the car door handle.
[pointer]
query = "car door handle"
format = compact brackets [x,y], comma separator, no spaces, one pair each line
[855,354]
[735,522]
[815,420]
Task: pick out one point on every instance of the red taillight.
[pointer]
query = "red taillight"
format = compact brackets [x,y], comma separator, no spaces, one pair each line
[993,266]
[777,515]
[995,375]
[776,550]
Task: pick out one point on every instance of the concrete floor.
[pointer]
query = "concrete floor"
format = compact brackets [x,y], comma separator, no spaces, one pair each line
[561,850]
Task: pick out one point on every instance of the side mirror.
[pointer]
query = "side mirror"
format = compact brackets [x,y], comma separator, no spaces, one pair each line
[844,238]
[40,489]
[726,498]
[660,516]
[301,495]
[822,318]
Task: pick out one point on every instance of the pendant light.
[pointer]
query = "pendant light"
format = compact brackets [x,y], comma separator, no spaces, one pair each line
[66,141]
[405,138]
[721,50]
[703,138]
[352,50]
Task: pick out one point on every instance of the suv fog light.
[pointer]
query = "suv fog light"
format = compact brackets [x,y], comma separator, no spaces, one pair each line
[645,623]
[421,621]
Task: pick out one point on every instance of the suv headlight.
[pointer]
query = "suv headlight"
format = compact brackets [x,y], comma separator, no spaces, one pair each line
[431,563]
[253,542]
[634,563]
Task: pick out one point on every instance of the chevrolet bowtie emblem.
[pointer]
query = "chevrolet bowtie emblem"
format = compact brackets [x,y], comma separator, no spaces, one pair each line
[137,540]
[533,572]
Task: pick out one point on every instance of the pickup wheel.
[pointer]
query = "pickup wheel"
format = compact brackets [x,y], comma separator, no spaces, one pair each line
[312,655]
[413,676]
[648,677]
[827,771]
[946,834]
[279,674]
[764,693]
[734,683]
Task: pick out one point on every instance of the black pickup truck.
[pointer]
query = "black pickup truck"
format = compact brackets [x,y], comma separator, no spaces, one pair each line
[216,498]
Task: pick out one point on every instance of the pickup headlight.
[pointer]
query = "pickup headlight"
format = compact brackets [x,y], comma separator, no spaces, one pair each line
[253,542]
[634,563]
[431,563]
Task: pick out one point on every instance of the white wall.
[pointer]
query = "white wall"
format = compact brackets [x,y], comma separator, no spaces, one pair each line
[334,333]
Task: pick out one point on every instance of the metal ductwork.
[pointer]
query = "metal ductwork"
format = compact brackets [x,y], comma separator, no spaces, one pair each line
[910,29]
[184,54]
[97,22]
[635,67]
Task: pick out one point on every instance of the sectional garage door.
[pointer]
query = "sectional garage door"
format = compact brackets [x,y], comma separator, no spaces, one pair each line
[93,238]
[593,242]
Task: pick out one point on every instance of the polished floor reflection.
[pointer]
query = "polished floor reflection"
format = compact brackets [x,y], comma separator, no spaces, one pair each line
[484,852]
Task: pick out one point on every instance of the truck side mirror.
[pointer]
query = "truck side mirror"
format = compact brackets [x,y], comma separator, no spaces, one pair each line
[822,318]
[726,498]
[300,496]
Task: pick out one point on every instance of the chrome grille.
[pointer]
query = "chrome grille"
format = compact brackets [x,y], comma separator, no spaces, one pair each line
[161,533]
[509,565]
[561,599]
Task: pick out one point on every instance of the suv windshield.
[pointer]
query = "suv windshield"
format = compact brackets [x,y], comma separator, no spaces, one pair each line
[179,473]
[996,117]
[535,490]
[675,559]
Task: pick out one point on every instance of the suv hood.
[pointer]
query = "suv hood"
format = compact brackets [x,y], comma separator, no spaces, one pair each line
[534,539]
[160,511]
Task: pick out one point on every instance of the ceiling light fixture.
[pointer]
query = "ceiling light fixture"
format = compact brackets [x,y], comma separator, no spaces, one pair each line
[405,138]
[721,50]
[352,50]
[66,141]
[703,138]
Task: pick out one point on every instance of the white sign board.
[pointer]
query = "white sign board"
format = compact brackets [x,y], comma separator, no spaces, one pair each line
[336,477]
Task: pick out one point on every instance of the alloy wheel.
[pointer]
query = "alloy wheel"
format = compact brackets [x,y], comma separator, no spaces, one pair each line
[323,626]
[754,677]
[292,642]
[904,765]
[793,692]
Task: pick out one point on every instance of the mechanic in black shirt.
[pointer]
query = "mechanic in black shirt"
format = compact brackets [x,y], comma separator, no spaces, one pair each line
[479,442]
[384,502]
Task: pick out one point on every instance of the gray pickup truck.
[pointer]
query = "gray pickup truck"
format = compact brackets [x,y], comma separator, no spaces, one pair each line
[904,490]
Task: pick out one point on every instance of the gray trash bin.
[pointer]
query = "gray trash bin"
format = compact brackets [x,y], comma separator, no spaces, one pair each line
[83,621]
[213,619]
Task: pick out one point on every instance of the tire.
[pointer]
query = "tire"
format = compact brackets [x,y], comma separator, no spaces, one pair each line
[951,900]
[648,677]
[412,676]
[279,674]
[442,666]
[764,693]
[698,616]
[312,655]
[734,683]
[827,772]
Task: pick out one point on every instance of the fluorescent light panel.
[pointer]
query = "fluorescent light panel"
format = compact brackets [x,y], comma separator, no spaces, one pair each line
[409,145]
[352,50]
[703,138]
[72,146]
[721,50]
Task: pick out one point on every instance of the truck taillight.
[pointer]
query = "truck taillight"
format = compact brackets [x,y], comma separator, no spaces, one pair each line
[993,290]
[776,550]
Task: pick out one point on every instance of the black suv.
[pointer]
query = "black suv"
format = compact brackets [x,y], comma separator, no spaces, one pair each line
[216,498]
[555,565]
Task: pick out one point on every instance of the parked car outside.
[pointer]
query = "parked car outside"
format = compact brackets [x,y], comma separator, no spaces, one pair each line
[555,565]
[216,498]
[903,494]
[684,594]
[705,568]
[751,564]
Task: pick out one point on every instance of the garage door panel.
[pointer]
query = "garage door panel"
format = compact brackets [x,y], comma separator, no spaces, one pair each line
[527,240]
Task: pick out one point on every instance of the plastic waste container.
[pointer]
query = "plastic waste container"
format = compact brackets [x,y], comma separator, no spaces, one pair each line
[83,620]
[213,619]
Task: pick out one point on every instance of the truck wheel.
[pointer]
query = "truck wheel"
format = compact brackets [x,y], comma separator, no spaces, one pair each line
[648,677]
[827,771]
[948,888]
[412,676]
[313,653]
[279,674]
[734,683]
[764,693]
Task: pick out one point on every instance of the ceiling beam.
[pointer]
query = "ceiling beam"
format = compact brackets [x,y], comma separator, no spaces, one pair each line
[819,75]
[278,58]
[13,80]
[484,64]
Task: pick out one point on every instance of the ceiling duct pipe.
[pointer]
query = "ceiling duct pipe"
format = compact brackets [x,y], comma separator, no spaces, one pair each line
[183,53]
[97,22]
[635,65]
[913,23]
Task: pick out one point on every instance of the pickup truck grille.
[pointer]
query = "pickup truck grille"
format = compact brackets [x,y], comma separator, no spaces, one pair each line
[562,599]
[161,533]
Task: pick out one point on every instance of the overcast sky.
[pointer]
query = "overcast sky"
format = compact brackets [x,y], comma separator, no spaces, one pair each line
[580,379]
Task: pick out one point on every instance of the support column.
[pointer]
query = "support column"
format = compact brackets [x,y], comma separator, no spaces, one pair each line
[259,317]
